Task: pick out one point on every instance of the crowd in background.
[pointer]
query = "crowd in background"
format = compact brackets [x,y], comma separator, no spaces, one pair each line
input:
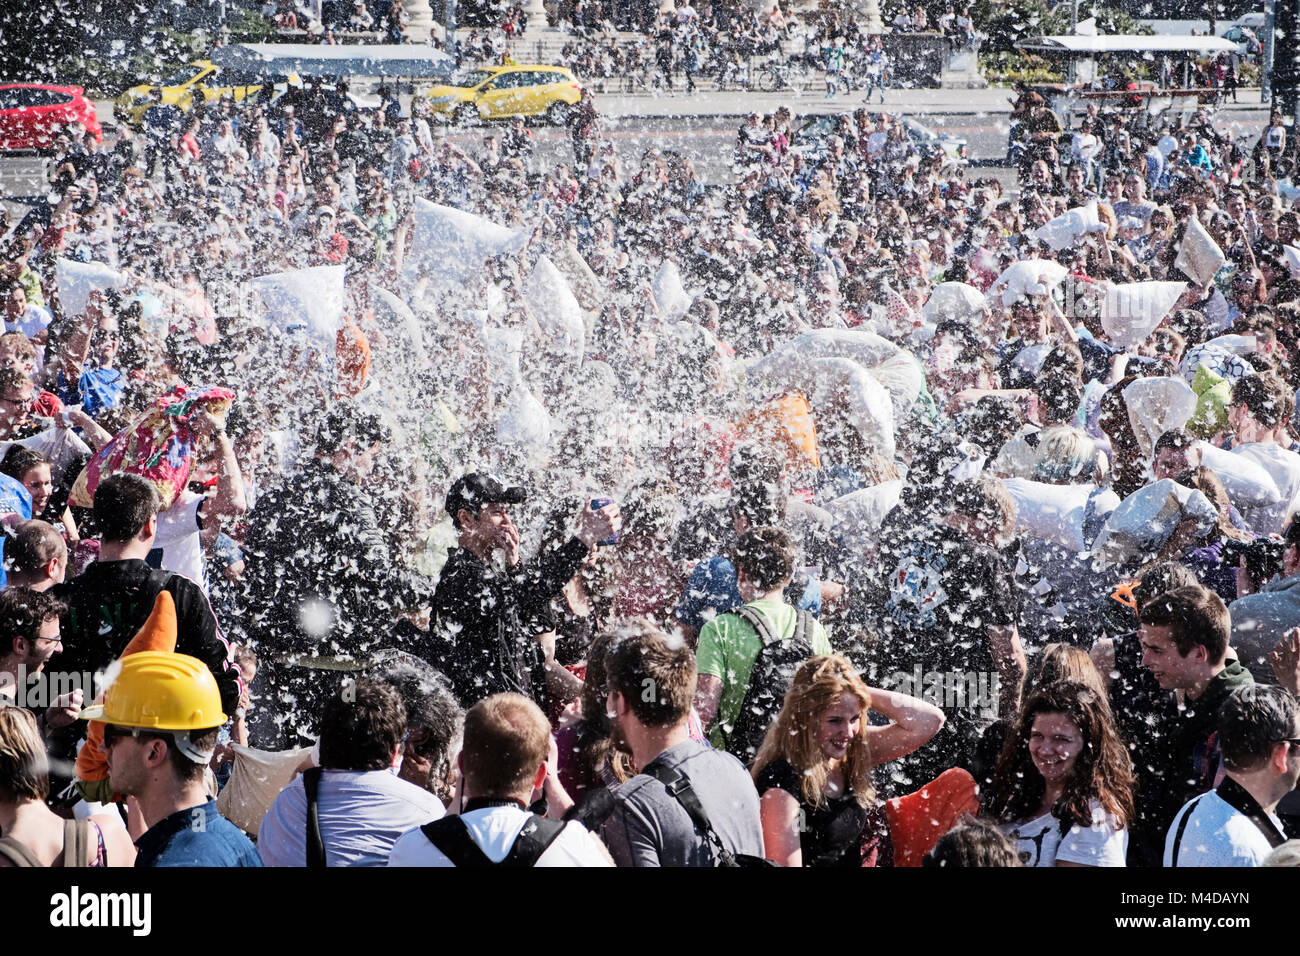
[1006,478]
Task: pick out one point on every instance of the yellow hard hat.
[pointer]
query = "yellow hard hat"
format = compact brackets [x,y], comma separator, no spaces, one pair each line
[161,691]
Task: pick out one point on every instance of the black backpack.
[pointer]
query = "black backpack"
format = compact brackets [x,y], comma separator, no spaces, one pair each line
[452,837]
[770,679]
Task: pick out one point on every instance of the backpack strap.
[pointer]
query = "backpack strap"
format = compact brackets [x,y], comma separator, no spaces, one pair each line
[534,839]
[315,845]
[76,843]
[1182,825]
[803,626]
[679,788]
[593,808]
[452,838]
[18,853]
[1236,796]
[758,622]
[755,619]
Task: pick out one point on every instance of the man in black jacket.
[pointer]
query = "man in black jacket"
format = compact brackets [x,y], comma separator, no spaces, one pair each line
[485,594]
[1184,637]
[112,598]
[322,588]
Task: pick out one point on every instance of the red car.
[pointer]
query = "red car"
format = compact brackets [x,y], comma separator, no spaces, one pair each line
[32,114]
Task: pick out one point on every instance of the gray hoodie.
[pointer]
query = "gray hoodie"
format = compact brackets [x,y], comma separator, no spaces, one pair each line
[1260,620]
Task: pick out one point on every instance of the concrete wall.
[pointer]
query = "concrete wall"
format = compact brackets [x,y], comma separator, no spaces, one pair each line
[916,59]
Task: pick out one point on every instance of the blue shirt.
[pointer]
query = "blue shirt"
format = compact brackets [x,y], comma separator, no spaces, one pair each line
[712,589]
[14,499]
[362,814]
[1155,168]
[97,390]
[198,836]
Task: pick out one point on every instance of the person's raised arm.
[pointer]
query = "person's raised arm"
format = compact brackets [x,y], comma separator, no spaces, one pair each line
[1118,367]
[541,579]
[1285,660]
[96,435]
[561,683]
[229,501]
[1059,322]
[558,800]
[913,723]
[397,248]
[1009,658]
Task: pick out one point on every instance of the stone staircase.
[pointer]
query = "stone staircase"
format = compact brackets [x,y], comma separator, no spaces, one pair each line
[544,46]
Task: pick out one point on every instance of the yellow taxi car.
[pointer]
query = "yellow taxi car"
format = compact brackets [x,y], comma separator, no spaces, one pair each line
[500,92]
[193,83]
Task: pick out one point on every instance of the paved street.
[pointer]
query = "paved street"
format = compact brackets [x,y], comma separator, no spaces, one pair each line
[703,126]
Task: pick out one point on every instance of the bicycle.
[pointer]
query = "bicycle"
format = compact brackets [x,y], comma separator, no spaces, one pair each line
[775,77]
[733,74]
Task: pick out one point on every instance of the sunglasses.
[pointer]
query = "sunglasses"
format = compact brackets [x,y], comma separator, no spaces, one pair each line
[114,732]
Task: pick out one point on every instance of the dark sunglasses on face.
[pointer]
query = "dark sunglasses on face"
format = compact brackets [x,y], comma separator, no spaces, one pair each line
[114,732]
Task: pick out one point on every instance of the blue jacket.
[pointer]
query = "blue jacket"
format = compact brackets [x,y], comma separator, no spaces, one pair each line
[198,836]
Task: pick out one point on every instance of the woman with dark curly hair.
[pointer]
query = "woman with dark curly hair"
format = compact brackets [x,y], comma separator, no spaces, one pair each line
[1063,786]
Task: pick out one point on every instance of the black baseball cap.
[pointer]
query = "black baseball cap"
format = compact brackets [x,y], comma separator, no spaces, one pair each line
[479,488]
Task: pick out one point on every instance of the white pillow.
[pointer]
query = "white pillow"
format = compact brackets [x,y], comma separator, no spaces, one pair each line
[1021,278]
[862,512]
[671,297]
[838,382]
[76,280]
[451,245]
[1199,256]
[312,297]
[1156,405]
[1248,484]
[556,308]
[892,367]
[1066,229]
[1143,522]
[1056,514]
[1130,311]
[954,300]
[523,421]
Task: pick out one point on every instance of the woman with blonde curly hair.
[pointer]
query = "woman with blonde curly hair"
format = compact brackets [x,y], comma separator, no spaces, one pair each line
[813,771]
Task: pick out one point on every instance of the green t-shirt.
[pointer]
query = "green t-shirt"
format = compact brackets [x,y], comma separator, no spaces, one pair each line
[728,649]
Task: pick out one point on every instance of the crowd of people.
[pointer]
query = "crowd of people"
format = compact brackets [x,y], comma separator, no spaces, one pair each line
[853,513]
[686,44]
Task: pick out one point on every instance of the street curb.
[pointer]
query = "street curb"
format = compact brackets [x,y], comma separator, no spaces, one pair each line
[740,104]
[850,106]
